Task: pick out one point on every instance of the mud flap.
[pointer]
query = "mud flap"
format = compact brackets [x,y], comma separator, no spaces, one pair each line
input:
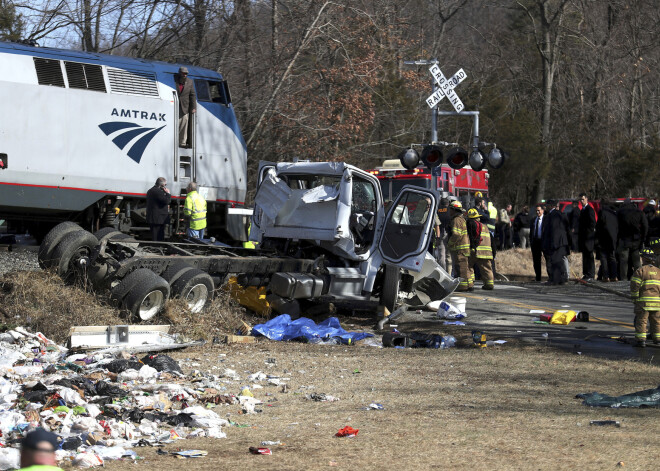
[432,283]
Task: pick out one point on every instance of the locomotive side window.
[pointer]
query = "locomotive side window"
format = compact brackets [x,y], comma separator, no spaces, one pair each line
[202,90]
[220,92]
[85,76]
[49,72]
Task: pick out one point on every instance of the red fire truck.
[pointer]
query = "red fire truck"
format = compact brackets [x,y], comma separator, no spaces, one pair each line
[462,183]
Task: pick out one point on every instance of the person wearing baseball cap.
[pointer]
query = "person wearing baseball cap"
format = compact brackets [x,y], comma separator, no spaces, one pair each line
[187,103]
[38,451]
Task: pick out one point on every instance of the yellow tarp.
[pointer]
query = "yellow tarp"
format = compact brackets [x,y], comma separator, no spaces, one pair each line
[251,297]
[563,317]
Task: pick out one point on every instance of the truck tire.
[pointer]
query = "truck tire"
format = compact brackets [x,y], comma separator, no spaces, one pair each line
[195,287]
[96,274]
[120,290]
[51,240]
[73,249]
[390,292]
[174,272]
[110,233]
[147,295]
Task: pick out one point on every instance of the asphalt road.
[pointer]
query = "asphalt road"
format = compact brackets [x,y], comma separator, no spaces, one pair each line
[508,313]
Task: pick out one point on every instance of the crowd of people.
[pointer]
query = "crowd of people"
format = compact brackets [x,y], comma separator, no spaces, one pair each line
[624,238]
[610,233]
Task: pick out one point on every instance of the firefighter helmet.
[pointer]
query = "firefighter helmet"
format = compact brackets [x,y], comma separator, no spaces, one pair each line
[473,213]
[456,205]
[655,244]
[478,194]
[647,253]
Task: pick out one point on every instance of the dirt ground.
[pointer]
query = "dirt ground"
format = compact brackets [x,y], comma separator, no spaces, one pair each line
[462,408]
[500,407]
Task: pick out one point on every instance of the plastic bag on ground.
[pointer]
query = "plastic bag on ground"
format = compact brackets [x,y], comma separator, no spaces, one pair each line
[645,398]
[162,363]
[147,373]
[10,458]
[87,460]
[127,375]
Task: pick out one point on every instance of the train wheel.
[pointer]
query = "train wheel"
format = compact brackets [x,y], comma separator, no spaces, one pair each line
[147,293]
[195,287]
[45,255]
[390,292]
[71,256]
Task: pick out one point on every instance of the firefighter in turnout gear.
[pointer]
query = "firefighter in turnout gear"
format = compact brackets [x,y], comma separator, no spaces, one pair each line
[195,210]
[645,291]
[481,252]
[459,246]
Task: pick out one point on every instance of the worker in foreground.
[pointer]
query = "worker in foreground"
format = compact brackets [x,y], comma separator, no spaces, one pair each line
[459,246]
[38,451]
[645,292]
[481,253]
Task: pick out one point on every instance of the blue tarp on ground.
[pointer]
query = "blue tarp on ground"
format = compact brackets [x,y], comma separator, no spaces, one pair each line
[646,398]
[283,328]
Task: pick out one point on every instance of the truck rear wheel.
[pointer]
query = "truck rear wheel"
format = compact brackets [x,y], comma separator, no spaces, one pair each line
[174,272]
[71,256]
[110,233]
[51,240]
[390,292]
[195,287]
[143,293]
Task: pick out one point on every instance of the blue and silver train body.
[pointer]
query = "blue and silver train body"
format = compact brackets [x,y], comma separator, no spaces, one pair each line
[83,136]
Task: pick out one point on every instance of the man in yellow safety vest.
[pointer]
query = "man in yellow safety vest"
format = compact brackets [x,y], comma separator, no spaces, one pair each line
[195,210]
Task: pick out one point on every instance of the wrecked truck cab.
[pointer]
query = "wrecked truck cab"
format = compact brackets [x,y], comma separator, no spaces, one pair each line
[335,212]
[323,234]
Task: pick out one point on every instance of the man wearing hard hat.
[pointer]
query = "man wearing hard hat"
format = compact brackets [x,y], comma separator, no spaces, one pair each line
[459,246]
[481,253]
[645,292]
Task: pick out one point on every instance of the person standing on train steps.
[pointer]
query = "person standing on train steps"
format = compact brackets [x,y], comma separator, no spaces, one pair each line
[185,90]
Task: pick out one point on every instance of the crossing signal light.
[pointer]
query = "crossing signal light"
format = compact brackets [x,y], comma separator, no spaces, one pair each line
[477,160]
[496,158]
[432,156]
[457,158]
[409,158]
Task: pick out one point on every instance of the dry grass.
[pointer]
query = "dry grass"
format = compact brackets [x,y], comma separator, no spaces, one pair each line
[517,263]
[40,301]
[223,315]
[493,408]
[509,407]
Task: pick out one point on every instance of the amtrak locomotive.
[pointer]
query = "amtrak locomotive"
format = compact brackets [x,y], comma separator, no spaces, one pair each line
[83,136]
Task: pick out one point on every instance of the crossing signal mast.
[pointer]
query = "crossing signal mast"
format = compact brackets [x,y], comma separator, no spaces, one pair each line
[457,157]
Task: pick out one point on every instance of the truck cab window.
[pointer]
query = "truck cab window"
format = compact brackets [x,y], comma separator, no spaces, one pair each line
[363,207]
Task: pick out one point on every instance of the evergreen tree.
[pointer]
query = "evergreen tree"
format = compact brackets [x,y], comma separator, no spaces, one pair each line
[11,23]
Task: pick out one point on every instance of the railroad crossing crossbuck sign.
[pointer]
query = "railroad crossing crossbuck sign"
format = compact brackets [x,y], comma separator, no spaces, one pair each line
[446,88]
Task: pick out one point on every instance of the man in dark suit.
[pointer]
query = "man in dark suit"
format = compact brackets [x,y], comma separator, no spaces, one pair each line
[555,242]
[535,236]
[158,213]
[633,228]
[185,90]
[587,238]
[607,230]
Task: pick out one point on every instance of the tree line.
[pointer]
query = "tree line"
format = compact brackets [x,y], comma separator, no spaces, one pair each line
[566,87]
